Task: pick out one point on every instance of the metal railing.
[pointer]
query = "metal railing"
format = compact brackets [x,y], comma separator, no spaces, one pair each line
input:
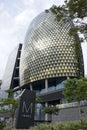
[73,104]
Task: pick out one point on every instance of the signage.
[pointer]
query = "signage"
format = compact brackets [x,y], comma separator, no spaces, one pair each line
[25,112]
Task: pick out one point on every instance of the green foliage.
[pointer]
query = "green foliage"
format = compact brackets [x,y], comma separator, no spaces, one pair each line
[77,6]
[8,101]
[70,10]
[9,105]
[59,12]
[38,100]
[75,125]
[2,125]
[10,92]
[47,11]
[75,89]
[7,128]
[51,110]
[3,110]
[69,92]
[76,46]
[73,31]
[42,127]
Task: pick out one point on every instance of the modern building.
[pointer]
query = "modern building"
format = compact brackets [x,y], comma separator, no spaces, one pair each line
[48,58]
[11,75]
[0,83]
[10,78]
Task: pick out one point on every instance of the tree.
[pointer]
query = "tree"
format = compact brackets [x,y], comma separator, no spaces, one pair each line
[9,105]
[2,125]
[76,89]
[51,110]
[74,10]
[78,7]
[38,100]
[77,10]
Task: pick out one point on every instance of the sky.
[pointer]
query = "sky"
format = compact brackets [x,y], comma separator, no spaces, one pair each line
[15,17]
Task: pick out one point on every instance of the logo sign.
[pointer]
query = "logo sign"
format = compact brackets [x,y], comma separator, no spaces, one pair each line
[25,112]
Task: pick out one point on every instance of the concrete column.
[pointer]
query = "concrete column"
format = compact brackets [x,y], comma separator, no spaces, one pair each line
[68,77]
[31,88]
[46,84]
[46,115]
[46,103]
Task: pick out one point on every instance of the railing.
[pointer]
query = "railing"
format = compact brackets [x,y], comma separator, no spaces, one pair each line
[16,78]
[47,91]
[52,89]
[73,104]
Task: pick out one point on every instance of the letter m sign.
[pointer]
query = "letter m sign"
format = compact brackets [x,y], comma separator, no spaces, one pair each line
[26,109]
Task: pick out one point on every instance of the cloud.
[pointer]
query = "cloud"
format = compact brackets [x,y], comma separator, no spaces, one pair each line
[12,31]
[27,2]
[24,17]
[41,5]
[1,6]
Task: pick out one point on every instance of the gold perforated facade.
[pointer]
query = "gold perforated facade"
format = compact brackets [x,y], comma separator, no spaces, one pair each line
[48,50]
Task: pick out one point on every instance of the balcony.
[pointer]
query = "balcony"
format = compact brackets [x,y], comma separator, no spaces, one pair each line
[16,78]
[51,89]
[17,67]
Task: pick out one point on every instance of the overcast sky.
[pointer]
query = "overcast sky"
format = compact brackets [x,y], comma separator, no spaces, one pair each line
[15,17]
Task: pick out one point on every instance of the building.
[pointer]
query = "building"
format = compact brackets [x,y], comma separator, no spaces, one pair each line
[11,75]
[48,58]
[0,83]
[10,78]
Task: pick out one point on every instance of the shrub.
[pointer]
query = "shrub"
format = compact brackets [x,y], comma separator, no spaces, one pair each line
[7,128]
[51,110]
[75,125]
[2,125]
